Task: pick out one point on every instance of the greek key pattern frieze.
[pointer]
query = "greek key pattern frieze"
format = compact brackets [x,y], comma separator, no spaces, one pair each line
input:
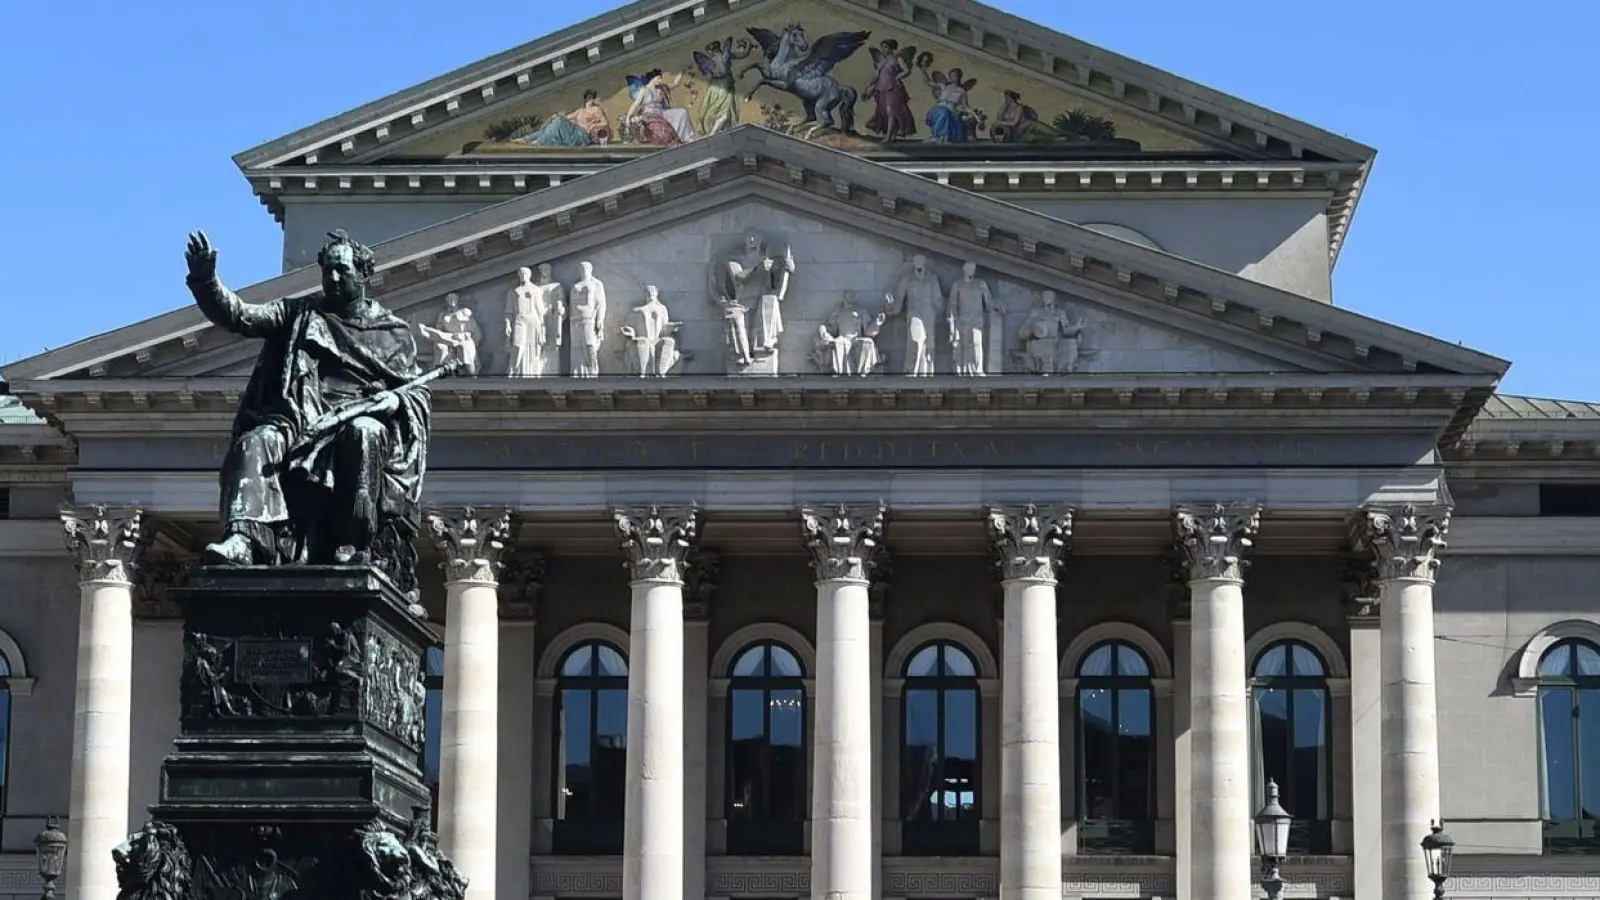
[1498,885]
[941,884]
[790,883]
[561,883]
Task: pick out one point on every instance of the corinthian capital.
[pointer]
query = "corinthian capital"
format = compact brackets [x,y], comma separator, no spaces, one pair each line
[656,544]
[107,543]
[1029,543]
[472,545]
[1212,541]
[843,545]
[1403,543]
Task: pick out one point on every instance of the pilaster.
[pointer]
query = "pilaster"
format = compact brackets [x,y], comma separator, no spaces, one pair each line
[521,581]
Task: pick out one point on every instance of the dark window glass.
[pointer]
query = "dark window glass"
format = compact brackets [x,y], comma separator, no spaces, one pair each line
[1116,751]
[766,752]
[939,765]
[1292,744]
[432,721]
[591,749]
[1569,499]
[1569,738]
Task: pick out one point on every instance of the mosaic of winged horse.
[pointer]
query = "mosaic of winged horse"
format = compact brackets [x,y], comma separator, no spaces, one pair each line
[795,66]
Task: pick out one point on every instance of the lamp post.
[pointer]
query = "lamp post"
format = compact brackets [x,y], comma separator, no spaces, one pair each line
[1438,848]
[50,849]
[1272,841]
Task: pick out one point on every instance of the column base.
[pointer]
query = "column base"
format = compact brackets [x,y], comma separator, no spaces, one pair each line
[297,765]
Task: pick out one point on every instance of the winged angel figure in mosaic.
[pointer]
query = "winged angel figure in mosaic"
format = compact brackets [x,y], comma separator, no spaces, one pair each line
[798,67]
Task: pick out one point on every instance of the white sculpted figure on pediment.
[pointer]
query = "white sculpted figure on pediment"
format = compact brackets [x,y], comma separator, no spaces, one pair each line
[652,348]
[920,298]
[1051,339]
[975,315]
[534,311]
[847,340]
[750,288]
[587,321]
[454,334]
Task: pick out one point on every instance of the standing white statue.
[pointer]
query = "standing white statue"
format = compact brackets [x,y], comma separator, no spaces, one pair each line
[919,297]
[529,335]
[587,322]
[970,304]
[455,335]
[654,337]
[846,342]
[759,282]
[1050,338]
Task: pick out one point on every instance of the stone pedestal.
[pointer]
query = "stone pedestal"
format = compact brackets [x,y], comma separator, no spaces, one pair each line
[844,549]
[1028,547]
[105,544]
[657,547]
[1404,545]
[1213,543]
[297,765]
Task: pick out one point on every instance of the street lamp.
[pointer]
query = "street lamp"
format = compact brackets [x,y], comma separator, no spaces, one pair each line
[1272,841]
[1437,849]
[50,848]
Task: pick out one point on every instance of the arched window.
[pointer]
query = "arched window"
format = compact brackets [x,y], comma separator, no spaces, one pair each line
[433,722]
[766,752]
[591,749]
[939,764]
[5,729]
[1116,751]
[1291,725]
[1569,755]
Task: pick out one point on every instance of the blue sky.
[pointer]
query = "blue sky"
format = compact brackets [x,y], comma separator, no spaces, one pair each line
[1474,228]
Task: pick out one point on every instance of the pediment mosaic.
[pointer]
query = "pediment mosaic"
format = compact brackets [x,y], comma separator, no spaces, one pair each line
[753,290]
[813,71]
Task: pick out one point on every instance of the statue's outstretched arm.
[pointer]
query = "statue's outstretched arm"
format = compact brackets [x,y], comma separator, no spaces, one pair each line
[222,306]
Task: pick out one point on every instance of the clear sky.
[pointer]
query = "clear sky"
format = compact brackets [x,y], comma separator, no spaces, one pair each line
[1476,226]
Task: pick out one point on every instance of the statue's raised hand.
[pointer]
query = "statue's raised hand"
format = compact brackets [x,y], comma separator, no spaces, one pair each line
[201,257]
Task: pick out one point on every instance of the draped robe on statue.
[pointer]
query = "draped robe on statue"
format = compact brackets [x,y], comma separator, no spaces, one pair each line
[358,486]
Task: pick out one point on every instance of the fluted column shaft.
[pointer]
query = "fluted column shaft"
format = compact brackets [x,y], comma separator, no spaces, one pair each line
[657,548]
[844,548]
[1028,546]
[1404,545]
[1213,543]
[106,545]
[469,753]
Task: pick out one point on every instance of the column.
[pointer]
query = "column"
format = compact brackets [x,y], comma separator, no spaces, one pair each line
[106,544]
[700,591]
[657,546]
[1212,543]
[1028,546]
[1404,545]
[469,745]
[844,548]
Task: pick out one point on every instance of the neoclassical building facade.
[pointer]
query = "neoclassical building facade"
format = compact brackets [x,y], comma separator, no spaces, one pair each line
[900,452]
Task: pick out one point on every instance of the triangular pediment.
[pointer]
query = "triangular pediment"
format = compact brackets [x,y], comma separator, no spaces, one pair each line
[1065,96]
[671,218]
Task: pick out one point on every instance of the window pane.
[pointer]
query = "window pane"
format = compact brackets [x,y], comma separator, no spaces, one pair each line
[961,753]
[1309,767]
[5,742]
[748,714]
[925,663]
[611,752]
[574,795]
[919,762]
[433,731]
[957,663]
[1557,661]
[784,665]
[1555,714]
[1589,751]
[1272,710]
[577,662]
[1273,663]
[433,662]
[1135,753]
[609,662]
[1097,664]
[1097,752]
[5,665]
[1587,660]
[747,750]
[788,717]
[748,665]
[1131,663]
[1306,661]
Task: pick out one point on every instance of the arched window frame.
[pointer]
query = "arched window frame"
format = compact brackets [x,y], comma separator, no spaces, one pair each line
[1128,831]
[592,831]
[926,833]
[1308,834]
[14,682]
[1565,679]
[757,829]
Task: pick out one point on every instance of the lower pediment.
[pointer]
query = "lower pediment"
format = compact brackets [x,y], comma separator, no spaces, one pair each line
[754,289]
